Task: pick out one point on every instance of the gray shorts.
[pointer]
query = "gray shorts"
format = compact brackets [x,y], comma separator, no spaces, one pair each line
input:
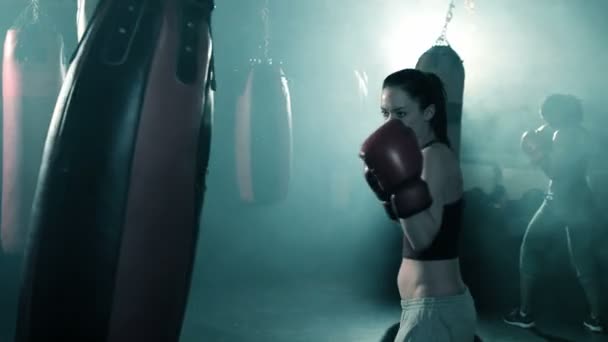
[438,319]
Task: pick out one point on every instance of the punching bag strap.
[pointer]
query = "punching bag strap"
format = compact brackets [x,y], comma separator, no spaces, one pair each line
[212,80]
[119,37]
[194,14]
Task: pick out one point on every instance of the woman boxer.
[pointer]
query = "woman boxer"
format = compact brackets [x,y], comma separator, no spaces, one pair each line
[416,175]
[560,148]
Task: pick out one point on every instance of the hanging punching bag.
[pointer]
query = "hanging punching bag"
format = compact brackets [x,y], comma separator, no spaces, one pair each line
[116,213]
[443,61]
[264,135]
[10,10]
[32,73]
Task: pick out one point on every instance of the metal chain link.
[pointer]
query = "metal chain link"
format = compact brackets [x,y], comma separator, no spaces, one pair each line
[443,39]
[266,24]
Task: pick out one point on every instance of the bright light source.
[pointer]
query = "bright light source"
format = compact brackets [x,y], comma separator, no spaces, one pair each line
[417,31]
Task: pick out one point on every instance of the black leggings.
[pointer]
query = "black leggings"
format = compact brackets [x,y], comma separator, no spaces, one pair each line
[551,220]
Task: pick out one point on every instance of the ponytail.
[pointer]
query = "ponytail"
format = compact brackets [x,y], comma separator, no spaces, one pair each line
[438,97]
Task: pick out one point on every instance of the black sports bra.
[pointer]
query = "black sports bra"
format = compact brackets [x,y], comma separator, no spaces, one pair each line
[445,244]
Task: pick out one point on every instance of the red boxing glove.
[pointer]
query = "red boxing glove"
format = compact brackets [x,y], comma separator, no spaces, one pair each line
[393,156]
[411,199]
[383,196]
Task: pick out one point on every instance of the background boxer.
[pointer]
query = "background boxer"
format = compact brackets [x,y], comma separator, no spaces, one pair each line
[410,166]
[560,148]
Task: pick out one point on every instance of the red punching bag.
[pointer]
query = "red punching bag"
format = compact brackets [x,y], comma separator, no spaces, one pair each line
[9,11]
[31,78]
[264,135]
[116,214]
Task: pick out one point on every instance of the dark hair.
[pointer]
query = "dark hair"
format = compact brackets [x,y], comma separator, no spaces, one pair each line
[427,89]
[560,110]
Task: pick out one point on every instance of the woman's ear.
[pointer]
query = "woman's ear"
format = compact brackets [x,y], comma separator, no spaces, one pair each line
[429,112]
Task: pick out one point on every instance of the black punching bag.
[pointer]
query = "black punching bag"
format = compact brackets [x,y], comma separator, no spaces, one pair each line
[84,13]
[443,61]
[116,211]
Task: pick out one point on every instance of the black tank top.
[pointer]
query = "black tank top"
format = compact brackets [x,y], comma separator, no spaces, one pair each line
[445,244]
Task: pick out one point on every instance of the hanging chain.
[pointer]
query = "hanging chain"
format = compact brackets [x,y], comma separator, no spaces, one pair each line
[266,24]
[36,10]
[33,11]
[443,39]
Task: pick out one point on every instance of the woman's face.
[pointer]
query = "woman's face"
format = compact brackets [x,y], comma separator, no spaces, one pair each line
[397,104]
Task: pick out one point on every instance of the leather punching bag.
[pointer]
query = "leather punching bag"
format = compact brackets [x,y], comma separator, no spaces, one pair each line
[443,61]
[10,11]
[32,73]
[116,212]
[264,135]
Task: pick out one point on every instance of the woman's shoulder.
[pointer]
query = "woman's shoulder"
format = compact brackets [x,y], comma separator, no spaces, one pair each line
[440,153]
[446,167]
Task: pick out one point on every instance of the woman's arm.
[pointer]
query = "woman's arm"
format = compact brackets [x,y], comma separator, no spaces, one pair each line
[568,155]
[420,230]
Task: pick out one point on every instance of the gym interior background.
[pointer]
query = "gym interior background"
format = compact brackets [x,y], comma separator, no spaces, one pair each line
[320,265]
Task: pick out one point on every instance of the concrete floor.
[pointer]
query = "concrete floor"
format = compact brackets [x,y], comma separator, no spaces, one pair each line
[330,312]
[311,298]
[308,311]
